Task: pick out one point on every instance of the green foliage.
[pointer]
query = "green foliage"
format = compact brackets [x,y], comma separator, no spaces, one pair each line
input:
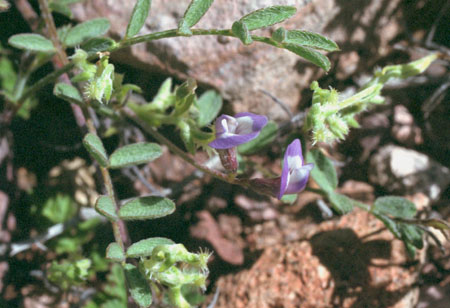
[68,93]
[138,286]
[61,7]
[264,139]
[32,42]
[67,274]
[146,208]
[115,252]
[144,248]
[98,44]
[330,117]
[175,267]
[94,146]
[134,154]
[193,14]
[59,208]
[100,87]
[267,16]
[394,211]
[85,31]
[114,294]
[208,107]
[105,206]
[394,206]
[323,172]
[184,97]
[138,17]
[341,203]
[72,240]
[304,38]
[8,75]
[189,114]
[289,199]
[241,31]
[311,55]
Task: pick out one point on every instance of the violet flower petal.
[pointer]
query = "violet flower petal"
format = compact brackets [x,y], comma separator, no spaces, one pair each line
[294,175]
[233,131]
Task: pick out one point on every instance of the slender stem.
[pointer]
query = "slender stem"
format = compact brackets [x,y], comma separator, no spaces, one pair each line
[172,147]
[51,28]
[140,39]
[119,227]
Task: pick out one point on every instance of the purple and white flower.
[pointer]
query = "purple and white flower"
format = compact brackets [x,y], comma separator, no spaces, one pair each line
[295,174]
[233,131]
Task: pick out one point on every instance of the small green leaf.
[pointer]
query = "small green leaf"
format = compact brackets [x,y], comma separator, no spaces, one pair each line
[185,89]
[86,30]
[68,93]
[201,136]
[94,146]
[395,206]
[289,199]
[114,252]
[144,248]
[97,44]
[312,56]
[193,14]
[186,136]
[134,154]
[341,203]
[323,172]
[138,286]
[208,105]
[164,98]
[59,208]
[310,39]
[280,35]
[265,137]
[183,105]
[138,17]
[389,223]
[31,41]
[105,206]
[61,8]
[411,234]
[241,31]
[267,16]
[146,208]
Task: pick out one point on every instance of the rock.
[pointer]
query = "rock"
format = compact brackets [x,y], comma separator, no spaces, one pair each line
[405,172]
[346,262]
[240,72]
[404,129]
[208,229]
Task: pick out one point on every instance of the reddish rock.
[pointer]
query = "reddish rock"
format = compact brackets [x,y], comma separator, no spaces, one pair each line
[208,229]
[348,262]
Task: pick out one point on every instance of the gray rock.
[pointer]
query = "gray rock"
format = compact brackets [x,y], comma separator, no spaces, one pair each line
[403,171]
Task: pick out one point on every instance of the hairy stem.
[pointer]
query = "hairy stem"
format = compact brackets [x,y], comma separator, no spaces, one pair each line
[119,227]
[173,148]
[136,40]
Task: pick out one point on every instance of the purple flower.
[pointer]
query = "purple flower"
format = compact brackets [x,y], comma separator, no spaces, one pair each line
[295,174]
[233,131]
